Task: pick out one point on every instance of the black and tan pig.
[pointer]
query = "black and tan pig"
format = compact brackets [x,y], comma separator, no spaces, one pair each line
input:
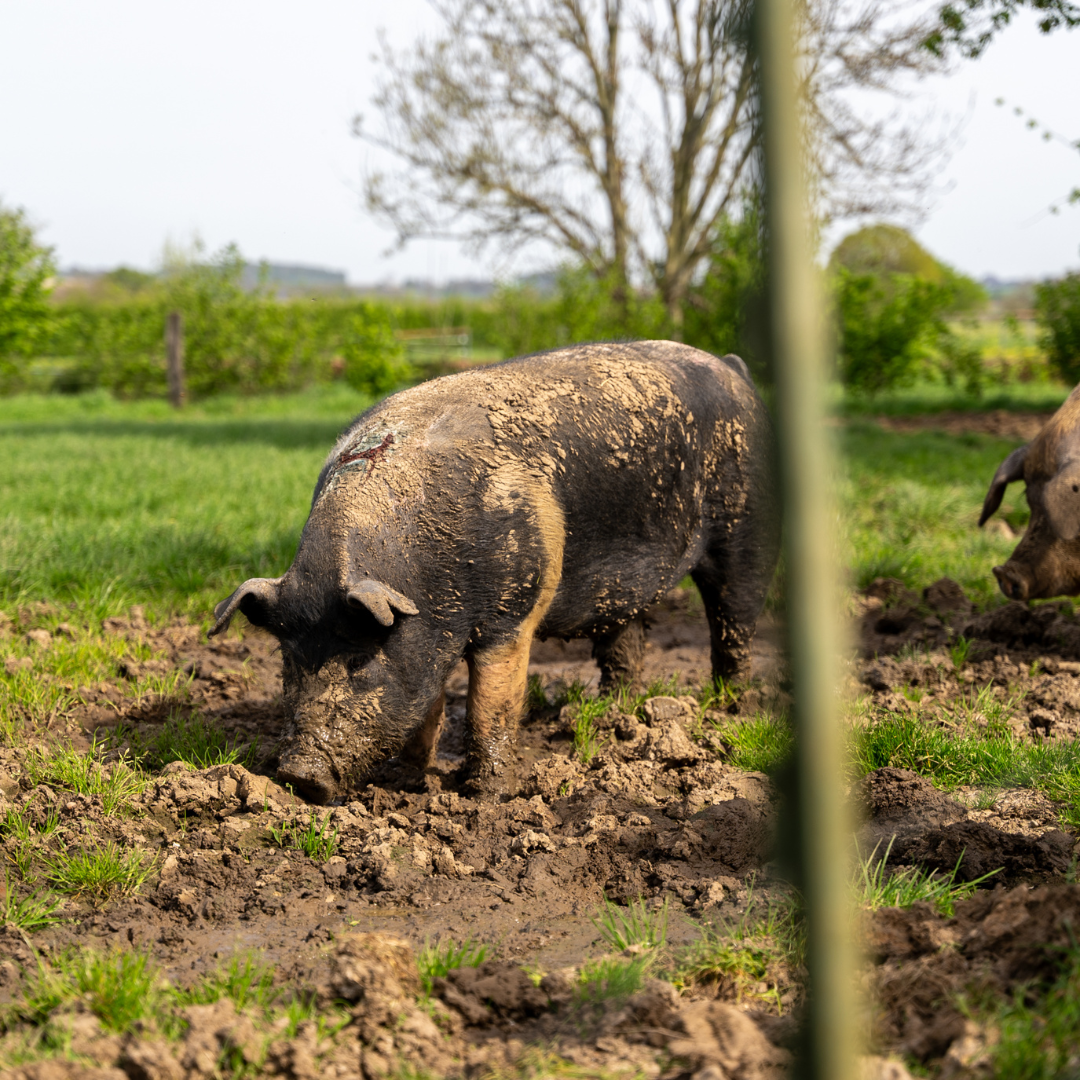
[555,495]
[1046,562]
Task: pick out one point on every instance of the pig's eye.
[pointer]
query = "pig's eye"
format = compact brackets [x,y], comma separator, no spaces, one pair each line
[354,665]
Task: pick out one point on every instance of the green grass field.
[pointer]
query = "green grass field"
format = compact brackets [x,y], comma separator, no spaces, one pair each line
[106,504]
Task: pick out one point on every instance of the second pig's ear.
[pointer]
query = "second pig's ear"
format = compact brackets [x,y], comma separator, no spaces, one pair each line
[1061,496]
[1012,468]
[256,598]
[379,599]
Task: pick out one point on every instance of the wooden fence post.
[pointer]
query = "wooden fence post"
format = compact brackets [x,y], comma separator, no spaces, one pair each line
[174,357]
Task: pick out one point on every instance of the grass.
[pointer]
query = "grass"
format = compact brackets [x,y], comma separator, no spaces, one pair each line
[33,912]
[436,961]
[993,758]
[196,742]
[118,987]
[611,978]
[86,774]
[762,743]
[315,838]
[244,981]
[634,925]
[875,887]
[127,992]
[144,505]
[99,872]
[765,945]
[910,505]
[1037,1029]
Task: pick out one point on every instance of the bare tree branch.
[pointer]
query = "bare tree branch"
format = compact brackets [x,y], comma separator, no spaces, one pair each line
[623,131]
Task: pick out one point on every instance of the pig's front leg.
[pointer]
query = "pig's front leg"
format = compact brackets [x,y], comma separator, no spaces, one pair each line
[497,684]
[419,752]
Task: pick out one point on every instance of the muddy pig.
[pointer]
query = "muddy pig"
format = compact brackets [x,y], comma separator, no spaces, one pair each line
[1046,562]
[554,495]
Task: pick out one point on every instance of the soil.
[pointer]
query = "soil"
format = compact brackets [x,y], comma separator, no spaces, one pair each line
[658,813]
[1022,426]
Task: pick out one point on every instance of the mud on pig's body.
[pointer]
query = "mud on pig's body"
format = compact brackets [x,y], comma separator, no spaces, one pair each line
[561,495]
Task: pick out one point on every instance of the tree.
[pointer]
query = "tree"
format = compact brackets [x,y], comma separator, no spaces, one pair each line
[623,131]
[971,25]
[1057,307]
[26,271]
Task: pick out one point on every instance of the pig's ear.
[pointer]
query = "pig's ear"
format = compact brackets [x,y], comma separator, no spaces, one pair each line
[1012,468]
[1061,496]
[255,598]
[378,598]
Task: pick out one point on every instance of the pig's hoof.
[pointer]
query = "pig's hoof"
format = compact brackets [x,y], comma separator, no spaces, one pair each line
[484,782]
[310,776]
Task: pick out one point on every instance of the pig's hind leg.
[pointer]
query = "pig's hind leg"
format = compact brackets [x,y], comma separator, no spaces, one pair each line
[732,582]
[620,655]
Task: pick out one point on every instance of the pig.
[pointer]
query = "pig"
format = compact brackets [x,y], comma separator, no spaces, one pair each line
[559,494]
[1046,562]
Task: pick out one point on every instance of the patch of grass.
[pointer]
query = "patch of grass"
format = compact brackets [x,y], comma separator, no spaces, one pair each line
[762,743]
[535,695]
[438,960]
[910,505]
[315,838]
[33,912]
[958,652]
[118,987]
[1037,1029]
[875,887]
[86,774]
[611,978]
[634,925]
[194,741]
[994,758]
[244,980]
[767,944]
[99,872]
[585,726]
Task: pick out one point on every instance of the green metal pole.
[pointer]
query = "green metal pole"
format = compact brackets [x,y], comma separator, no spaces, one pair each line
[817,811]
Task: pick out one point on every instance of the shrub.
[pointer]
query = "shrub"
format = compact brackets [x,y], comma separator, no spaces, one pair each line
[888,325]
[1057,309]
[26,269]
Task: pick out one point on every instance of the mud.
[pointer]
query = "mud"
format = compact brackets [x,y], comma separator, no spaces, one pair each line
[658,813]
[1022,426]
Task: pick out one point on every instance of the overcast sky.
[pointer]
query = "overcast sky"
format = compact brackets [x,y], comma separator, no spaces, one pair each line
[126,124]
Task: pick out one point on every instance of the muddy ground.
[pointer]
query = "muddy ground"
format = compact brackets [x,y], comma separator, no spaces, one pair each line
[657,814]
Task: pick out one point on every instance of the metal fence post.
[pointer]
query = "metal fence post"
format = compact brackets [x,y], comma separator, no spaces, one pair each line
[174,357]
[817,812]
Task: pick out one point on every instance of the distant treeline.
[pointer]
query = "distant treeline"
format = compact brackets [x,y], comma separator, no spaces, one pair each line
[899,316]
[246,341]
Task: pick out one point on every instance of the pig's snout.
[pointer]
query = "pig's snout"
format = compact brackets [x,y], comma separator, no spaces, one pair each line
[308,773]
[1013,581]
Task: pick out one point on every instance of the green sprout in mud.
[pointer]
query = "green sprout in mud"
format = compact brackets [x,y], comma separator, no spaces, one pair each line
[765,945]
[196,742]
[315,839]
[33,912]
[633,926]
[875,888]
[611,978]
[535,695]
[958,651]
[99,873]
[87,774]
[436,961]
